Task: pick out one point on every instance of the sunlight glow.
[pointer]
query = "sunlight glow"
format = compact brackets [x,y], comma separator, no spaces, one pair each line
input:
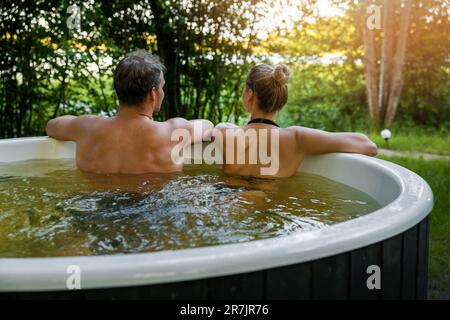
[283,14]
[327,9]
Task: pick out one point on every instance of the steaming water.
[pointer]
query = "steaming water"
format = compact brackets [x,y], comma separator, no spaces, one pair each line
[49,208]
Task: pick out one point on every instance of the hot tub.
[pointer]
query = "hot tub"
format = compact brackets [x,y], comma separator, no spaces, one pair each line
[382,255]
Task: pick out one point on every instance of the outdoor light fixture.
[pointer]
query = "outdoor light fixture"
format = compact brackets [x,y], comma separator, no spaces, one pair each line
[386,135]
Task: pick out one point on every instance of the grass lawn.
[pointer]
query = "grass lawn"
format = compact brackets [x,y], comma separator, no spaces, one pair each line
[416,141]
[437,174]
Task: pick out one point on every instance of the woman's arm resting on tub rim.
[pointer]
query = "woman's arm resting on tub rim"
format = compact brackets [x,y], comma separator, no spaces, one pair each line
[317,141]
[67,128]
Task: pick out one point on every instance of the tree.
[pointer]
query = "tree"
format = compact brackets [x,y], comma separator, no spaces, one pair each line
[383,99]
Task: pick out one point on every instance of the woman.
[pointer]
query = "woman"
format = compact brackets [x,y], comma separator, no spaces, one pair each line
[279,151]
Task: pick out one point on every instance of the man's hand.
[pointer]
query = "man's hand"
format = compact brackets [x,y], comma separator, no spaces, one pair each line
[225,125]
[221,128]
[204,128]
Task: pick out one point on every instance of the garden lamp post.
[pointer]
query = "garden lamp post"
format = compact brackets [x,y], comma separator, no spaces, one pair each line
[386,135]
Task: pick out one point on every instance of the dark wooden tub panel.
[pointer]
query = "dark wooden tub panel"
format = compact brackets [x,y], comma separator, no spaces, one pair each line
[403,261]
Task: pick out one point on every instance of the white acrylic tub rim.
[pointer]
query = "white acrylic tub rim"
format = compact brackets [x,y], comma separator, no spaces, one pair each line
[407,197]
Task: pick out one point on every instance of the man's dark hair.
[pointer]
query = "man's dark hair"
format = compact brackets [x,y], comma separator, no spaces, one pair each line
[135,75]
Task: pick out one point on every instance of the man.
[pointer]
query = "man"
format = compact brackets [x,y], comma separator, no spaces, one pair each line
[130,142]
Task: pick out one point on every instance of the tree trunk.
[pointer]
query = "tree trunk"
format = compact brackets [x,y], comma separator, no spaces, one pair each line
[383,98]
[399,61]
[165,36]
[386,57]
[370,65]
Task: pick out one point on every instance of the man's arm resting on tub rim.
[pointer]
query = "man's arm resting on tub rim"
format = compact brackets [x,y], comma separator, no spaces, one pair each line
[199,129]
[317,141]
[67,128]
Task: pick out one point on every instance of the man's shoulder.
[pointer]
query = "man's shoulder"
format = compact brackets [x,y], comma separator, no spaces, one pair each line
[90,117]
[168,127]
[84,119]
[87,123]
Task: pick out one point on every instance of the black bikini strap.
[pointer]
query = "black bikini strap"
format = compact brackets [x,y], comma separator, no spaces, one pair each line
[262,120]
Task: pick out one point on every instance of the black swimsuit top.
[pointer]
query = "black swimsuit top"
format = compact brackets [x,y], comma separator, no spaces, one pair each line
[262,120]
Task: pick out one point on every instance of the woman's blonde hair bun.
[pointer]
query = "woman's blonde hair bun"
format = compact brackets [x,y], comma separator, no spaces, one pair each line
[281,74]
[269,83]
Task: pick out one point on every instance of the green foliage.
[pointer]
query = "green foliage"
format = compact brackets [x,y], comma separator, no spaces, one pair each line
[426,98]
[417,139]
[332,96]
[326,96]
[208,46]
[48,70]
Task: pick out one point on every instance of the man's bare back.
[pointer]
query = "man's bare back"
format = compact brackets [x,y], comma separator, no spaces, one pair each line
[122,144]
[130,142]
